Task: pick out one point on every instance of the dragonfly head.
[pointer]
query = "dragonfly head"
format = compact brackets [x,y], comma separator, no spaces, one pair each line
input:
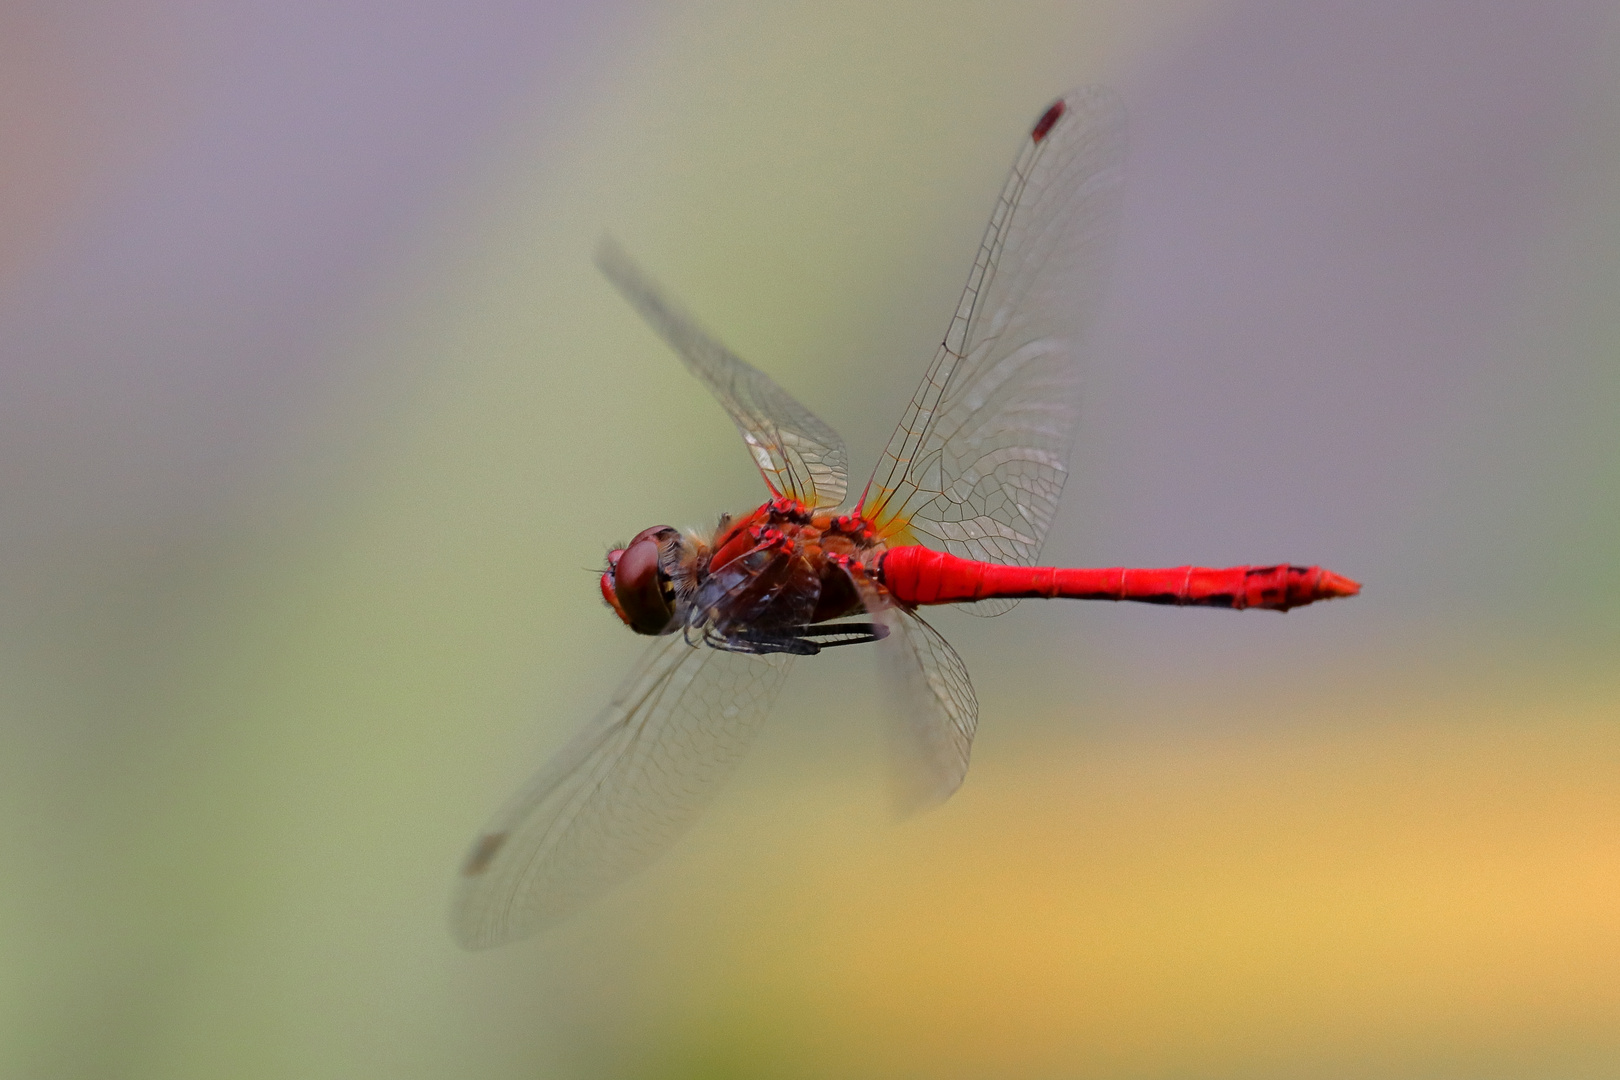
[636,584]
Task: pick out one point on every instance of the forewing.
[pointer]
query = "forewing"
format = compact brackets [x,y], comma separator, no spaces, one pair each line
[799,455]
[934,712]
[979,459]
[619,793]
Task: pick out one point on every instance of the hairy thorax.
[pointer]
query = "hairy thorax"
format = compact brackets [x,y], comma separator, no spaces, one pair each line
[780,566]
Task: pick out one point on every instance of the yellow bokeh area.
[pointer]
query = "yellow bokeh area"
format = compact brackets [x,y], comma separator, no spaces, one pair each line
[1434,894]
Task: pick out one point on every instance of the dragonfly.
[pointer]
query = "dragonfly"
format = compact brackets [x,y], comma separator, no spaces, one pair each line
[955,512]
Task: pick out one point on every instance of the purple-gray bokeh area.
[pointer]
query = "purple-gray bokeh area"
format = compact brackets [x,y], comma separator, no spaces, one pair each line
[1340,218]
[168,346]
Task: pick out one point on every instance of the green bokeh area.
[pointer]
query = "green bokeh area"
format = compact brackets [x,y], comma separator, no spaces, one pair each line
[239,764]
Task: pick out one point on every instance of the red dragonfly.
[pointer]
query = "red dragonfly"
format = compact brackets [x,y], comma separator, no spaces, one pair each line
[955,512]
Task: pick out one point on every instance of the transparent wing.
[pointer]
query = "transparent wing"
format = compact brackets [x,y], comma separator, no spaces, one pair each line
[979,459]
[619,793]
[799,455]
[933,713]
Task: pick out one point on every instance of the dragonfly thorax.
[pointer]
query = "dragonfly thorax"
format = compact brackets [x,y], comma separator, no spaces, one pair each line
[775,569]
[779,569]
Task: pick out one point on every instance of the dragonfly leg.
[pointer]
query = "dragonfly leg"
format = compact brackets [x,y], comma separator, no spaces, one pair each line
[800,642]
[852,633]
[759,643]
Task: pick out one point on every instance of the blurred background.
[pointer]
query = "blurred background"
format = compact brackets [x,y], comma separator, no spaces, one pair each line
[314,414]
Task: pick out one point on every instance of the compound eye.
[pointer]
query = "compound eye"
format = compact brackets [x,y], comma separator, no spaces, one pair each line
[641,591]
[608,594]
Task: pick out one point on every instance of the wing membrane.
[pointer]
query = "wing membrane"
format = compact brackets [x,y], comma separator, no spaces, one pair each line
[934,713]
[979,459]
[619,793]
[798,454]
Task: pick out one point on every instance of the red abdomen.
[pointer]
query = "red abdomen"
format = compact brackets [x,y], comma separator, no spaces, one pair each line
[918,576]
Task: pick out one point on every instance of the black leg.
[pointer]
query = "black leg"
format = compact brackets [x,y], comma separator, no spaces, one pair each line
[854,633]
[801,642]
[759,644]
